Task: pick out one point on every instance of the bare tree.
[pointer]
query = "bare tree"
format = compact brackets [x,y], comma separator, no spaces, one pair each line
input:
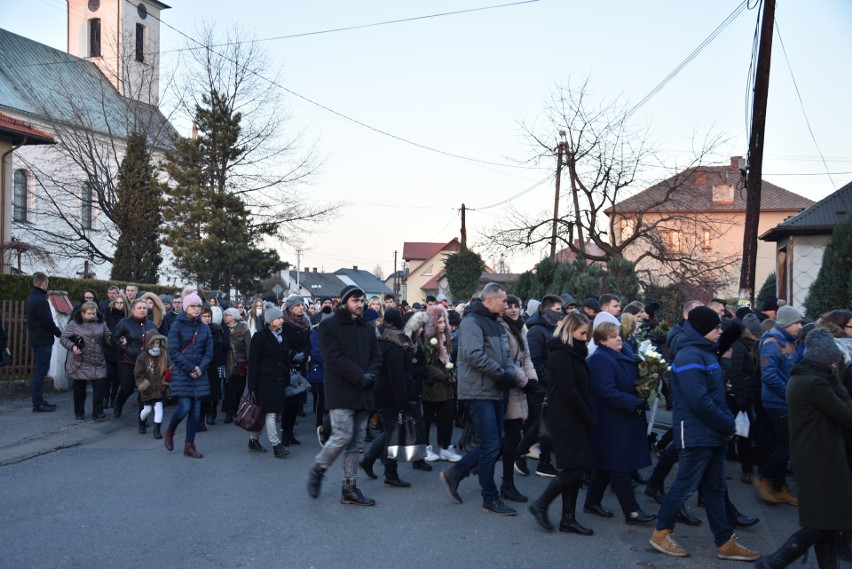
[606,161]
[378,272]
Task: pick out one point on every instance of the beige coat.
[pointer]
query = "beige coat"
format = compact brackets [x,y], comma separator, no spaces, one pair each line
[516,405]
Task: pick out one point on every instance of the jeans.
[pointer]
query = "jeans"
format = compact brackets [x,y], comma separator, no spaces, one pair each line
[487,418]
[186,406]
[42,365]
[348,431]
[775,469]
[705,467]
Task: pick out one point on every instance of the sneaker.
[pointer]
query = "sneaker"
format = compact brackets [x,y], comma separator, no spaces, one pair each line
[545,470]
[766,491]
[321,436]
[430,455]
[786,497]
[448,453]
[499,508]
[521,467]
[732,550]
[662,541]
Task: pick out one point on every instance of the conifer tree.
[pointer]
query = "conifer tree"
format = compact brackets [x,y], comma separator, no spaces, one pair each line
[463,271]
[832,288]
[137,216]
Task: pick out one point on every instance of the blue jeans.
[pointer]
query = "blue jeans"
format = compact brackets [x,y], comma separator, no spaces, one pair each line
[705,467]
[775,468]
[42,365]
[487,417]
[186,406]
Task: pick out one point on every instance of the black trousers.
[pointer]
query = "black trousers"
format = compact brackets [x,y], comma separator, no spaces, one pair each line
[318,391]
[441,414]
[512,431]
[620,484]
[234,389]
[80,387]
[530,437]
[126,384]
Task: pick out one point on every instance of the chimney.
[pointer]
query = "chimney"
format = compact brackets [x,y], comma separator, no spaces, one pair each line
[737,163]
[315,269]
[354,267]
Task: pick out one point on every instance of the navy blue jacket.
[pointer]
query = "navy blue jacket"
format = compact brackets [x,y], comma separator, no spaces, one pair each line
[199,354]
[701,417]
[40,325]
[539,333]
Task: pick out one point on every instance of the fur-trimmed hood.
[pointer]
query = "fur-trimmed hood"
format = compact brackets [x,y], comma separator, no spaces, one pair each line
[152,337]
[835,330]
[158,310]
[396,336]
[417,321]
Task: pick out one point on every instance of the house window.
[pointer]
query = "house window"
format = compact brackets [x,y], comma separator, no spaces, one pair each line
[723,194]
[95,37]
[672,241]
[21,196]
[140,43]
[86,206]
[706,240]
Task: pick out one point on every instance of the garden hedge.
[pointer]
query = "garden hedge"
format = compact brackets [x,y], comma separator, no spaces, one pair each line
[17,287]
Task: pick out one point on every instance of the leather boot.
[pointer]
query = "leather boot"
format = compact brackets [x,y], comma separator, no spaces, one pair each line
[315,481]
[351,494]
[569,523]
[169,440]
[826,553]
[143,427]
[157,434]
[509,492]
[539,506]
[190,451]
[788,553]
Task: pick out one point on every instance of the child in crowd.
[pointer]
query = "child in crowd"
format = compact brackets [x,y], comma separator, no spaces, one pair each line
[150,367]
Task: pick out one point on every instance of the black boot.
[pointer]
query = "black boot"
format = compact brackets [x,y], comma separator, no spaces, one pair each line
[421,465]
[315,481]
[509,492]
[211,414]
[788,553]
[539,506]
[569,523]
[157,434]
[351,494]
[142,427]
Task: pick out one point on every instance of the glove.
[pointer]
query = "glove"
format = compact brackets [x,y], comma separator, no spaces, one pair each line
[506,381]
[144,385]
[368,380]
[299,358]
[531,387]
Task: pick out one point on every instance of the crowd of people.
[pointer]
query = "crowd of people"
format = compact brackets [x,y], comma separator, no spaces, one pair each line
[550,379]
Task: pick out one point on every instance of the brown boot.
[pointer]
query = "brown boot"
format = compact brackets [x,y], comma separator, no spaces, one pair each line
[169,440]
[190,451]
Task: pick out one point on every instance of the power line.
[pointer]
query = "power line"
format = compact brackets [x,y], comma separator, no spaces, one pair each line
[507,200]
[802,104]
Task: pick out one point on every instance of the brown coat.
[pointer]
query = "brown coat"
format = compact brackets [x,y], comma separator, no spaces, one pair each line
[146,369]
[91,364]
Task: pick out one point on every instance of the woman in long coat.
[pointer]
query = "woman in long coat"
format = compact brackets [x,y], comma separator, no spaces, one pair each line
[190,351]
[820,407]
[620,441]
[297,329]
[86,362]
[238,355]
[569,419]
[268,377]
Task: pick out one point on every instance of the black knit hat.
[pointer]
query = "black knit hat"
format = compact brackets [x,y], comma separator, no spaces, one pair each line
[732,329]
[393,319]
[350,290]
[703,319]
[770,303]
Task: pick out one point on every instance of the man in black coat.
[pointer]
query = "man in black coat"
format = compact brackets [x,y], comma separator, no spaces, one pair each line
[42,330]
[351,358]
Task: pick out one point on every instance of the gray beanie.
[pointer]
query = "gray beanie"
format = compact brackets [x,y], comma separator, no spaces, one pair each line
[821,348]
[752,324]
[235,314]
[272,313]
[787,316]
[292,301]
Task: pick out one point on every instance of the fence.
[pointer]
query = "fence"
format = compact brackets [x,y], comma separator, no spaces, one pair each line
[15,321]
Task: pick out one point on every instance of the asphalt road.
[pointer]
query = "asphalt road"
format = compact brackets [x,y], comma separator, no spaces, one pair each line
[94,495]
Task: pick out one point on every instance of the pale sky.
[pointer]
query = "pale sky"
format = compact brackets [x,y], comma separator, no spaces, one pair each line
[463,83]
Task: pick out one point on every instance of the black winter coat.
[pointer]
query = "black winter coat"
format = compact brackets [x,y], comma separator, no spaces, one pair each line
[394,384]
[133,330]
[40,325]
[570,416]
[740,372]
[299,341]
[539,333]
[349,350]
[269,370]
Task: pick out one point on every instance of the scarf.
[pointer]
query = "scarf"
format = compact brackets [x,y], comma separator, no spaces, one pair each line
[299,323]
[516,327]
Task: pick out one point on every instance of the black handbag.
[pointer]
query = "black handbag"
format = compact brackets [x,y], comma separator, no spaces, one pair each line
[403,442]
[544,434]
[249,415]
[298,385]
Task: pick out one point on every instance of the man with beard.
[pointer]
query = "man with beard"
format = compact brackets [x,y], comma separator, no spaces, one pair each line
[351,360]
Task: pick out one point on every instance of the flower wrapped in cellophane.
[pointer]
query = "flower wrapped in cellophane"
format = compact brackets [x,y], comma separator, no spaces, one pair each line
[653,370]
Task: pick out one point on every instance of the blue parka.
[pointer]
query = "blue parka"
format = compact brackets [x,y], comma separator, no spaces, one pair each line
[777,356]
[199,354]
[701,416]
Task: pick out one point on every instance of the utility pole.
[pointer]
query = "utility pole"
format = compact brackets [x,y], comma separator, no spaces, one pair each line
[560,148]
[298,268]
[572,176]
[755,152]
[395,278]
[463,229]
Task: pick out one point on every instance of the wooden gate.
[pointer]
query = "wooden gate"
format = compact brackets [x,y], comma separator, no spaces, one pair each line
[15,321]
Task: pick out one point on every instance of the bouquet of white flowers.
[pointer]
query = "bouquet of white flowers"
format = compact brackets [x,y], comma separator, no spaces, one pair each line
[653,370]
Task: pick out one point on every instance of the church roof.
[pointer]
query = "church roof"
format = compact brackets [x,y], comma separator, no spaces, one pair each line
[53,86]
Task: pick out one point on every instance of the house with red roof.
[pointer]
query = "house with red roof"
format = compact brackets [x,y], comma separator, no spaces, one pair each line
[424,266]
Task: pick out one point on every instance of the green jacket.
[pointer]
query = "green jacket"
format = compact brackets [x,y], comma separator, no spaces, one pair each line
[820,407]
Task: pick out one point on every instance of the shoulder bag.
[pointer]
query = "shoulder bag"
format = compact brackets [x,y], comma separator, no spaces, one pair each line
[167,375]
[249,415]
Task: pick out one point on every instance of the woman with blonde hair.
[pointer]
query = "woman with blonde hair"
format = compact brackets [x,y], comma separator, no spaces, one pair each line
[254,316]
[117,310]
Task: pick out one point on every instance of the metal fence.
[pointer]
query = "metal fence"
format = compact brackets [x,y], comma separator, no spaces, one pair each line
[15,321]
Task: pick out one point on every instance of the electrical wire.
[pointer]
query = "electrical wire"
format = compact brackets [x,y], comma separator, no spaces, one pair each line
[802,104]
[507,200]
[755,44]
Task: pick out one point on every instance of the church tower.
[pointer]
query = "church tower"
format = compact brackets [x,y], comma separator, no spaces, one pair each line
[123,38]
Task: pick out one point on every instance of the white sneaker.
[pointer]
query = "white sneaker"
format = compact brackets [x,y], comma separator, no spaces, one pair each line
[450,454]
[431,456]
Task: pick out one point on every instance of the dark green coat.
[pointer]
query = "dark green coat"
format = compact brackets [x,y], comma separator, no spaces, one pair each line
[819,408]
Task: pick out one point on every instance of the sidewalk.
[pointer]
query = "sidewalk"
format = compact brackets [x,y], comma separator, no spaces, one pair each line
[24,434]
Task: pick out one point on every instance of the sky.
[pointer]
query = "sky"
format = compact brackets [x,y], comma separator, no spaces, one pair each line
[464,84]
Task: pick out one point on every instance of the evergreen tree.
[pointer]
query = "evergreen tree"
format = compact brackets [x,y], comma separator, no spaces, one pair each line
[213,234]
[463,271]
[832,288]
[769,288]
[137,216]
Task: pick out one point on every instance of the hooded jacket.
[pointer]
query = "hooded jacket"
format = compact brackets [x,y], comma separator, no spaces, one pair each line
[484,359]
[91,364]
[539,333]
[134,330]
[146,369]
[394,383]
[777,356]
[701,416]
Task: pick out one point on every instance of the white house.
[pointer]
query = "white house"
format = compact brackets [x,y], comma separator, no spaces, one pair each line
[89,99]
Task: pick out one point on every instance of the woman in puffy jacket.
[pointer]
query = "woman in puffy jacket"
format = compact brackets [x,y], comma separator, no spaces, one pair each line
[190,351]
[127,341]
[85,337]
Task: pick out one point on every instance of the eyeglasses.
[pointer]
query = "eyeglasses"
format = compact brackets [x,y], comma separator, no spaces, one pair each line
[207,316]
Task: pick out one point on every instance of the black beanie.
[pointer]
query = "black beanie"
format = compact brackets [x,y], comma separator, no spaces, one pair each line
[393,319]
[703,319]
[731,331]
[350,290]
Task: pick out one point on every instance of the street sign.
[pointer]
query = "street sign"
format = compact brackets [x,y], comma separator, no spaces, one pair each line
[277,290]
